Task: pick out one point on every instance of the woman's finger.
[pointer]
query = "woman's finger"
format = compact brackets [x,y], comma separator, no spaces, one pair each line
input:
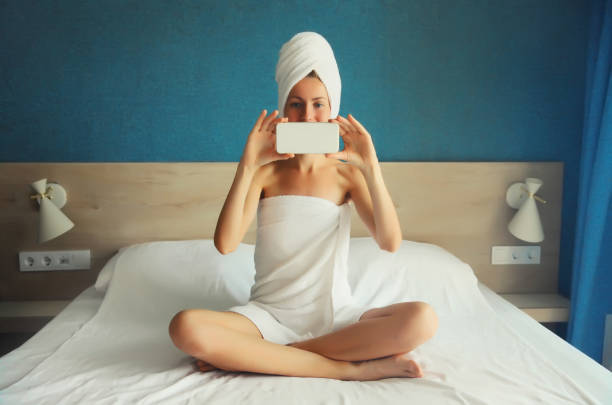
[342,119]
[272,156]
[284,119]
[274,123]
[337,155]
[257,125]
[270,118]
[345,126]
[336,121]
[264,123]
[358,124]
[349,125]
[342,155]
[341,129]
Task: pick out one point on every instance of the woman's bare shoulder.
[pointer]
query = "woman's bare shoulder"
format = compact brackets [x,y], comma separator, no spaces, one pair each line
[348,172]
[265,173]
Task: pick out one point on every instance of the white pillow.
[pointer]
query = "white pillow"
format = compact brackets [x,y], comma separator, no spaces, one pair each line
[167,250]
[105,275]
[151,282]
[415,272]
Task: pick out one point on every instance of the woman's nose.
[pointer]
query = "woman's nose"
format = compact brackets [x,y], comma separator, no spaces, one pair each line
[308,114]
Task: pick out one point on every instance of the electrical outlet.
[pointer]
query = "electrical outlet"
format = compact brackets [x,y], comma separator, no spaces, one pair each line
[55,260]
[515,255]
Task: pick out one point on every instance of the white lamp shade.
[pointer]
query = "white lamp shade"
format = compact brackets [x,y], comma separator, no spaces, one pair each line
[526,224]
[533,184]
[53,222]
[40,186]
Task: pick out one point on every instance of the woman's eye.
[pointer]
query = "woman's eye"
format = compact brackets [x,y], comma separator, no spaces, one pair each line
[295,105]
[319,105]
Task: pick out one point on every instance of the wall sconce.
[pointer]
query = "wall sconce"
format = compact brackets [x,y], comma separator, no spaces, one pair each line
[525,224]
[51,197]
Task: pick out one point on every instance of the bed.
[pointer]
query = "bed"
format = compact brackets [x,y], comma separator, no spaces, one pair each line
[111,343]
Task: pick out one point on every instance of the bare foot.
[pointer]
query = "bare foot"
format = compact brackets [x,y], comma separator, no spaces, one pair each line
[397,365]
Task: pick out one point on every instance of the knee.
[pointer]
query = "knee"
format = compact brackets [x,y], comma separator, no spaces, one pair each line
[420,321]
[180,327]
[187,330]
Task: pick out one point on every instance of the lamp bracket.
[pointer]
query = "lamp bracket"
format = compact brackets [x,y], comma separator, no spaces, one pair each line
[55,193]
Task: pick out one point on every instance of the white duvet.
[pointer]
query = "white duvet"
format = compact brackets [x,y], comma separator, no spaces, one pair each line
[124,354]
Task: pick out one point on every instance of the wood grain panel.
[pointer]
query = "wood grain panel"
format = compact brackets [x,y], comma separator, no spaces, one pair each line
[457,205]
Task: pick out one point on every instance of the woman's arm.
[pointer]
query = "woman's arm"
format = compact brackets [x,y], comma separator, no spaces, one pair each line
[369,192]
[241,203]
[238,210]
[375,207]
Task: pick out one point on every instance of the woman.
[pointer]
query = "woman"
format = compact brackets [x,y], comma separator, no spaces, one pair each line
[300,320]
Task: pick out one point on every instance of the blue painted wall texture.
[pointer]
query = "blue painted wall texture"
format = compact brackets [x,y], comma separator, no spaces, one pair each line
[432,80]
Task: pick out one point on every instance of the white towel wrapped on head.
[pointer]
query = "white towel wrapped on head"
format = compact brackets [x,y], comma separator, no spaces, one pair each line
[305,52]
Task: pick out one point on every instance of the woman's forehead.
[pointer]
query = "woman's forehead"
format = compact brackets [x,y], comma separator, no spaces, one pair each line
[310,88]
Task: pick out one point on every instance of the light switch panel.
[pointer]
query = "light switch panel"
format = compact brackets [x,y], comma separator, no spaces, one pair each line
[515,255]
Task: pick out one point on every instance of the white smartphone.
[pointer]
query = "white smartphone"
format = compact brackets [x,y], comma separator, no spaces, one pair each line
[307,137]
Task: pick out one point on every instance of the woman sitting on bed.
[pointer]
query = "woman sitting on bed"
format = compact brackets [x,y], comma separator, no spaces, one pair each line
[301,320]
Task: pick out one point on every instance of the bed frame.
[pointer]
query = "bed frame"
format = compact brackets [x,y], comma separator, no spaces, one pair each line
[457,205]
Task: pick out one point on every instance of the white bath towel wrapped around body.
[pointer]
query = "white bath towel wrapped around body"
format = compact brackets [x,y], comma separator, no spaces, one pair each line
[301,288]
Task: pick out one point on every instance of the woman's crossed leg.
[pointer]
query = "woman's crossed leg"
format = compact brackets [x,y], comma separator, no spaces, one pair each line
[366,350]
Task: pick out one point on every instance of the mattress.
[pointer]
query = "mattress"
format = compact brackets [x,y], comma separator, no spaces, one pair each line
[583,380]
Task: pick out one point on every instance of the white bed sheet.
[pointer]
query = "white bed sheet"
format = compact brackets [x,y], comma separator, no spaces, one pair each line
[580,379]
[593,377]
[590,375]
[19,362]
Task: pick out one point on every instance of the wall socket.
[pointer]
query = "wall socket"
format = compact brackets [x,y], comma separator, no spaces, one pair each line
[55,260]
[515,255]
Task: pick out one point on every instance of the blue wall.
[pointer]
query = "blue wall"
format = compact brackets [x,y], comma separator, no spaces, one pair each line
[432,80]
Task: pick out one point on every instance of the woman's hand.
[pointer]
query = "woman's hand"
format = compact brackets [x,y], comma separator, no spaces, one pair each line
[358,146]
[260,148]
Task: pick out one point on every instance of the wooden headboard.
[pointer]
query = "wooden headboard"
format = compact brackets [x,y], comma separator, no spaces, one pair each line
[457,205]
